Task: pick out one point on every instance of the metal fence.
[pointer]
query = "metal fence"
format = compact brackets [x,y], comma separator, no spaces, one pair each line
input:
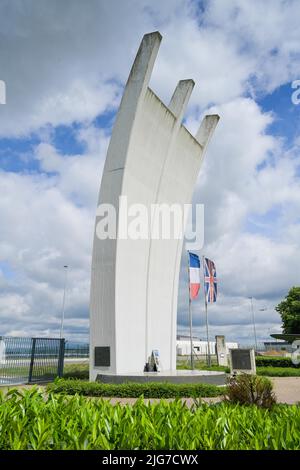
[76,350]
[30,360]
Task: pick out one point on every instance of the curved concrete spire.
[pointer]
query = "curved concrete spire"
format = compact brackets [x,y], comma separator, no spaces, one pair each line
[151,159]
[206,129]
[180,98]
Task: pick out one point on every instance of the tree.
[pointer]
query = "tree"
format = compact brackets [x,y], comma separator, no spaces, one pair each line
[289,310]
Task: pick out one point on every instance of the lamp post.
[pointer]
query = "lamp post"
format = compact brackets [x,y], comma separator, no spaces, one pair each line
[63,304]
[263,310]
[253,321]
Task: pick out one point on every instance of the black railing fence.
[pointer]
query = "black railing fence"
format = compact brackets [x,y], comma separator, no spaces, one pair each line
[30,360]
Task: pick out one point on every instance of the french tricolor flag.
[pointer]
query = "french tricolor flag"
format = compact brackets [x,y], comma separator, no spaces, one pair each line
[194,271]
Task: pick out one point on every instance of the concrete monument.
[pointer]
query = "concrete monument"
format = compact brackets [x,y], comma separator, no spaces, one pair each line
[221,351]
[152,159]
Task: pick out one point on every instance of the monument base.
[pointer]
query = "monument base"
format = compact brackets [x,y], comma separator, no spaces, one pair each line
[176,377]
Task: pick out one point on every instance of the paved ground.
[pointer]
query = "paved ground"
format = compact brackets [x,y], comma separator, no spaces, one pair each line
[287,389]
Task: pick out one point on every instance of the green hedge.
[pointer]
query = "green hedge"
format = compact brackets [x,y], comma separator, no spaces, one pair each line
[268,361]
[29,420]
[278,372]
[134,390]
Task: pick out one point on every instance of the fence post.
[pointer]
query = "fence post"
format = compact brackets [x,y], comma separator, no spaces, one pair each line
[60,368]
[31,360]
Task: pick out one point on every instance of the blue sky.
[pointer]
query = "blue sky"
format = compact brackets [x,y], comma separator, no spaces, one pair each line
[287,116]
[65,74]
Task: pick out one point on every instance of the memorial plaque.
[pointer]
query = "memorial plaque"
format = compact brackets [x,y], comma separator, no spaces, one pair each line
[242,360]
[102,356]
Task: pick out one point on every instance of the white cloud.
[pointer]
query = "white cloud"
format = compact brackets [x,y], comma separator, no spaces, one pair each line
[227,184]
[266,32]
[77,176]
[47,222]
[235,192]
[64,62]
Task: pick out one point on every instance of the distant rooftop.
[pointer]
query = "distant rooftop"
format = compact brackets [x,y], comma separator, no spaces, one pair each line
[286,337]
[186,337]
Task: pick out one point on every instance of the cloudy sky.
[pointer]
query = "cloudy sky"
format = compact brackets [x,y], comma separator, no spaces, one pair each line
[65,65]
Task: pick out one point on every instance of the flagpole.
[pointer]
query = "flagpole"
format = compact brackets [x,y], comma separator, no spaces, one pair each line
[190,315]
[206,314]
[207,335]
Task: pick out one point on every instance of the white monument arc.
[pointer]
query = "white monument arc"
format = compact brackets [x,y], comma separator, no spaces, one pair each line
[152,158]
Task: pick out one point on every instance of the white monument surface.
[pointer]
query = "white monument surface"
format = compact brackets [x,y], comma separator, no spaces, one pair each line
[221,351]
[152,159]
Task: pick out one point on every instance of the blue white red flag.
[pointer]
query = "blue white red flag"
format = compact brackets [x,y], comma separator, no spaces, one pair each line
[194,266]
[210,280]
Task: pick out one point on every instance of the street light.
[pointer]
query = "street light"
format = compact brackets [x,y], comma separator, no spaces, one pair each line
[253,320]
[63,304]
[263,310]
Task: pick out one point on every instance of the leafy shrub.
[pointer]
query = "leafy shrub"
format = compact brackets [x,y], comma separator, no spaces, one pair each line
[247,389]
[134,390]
[31,420]
[268,361]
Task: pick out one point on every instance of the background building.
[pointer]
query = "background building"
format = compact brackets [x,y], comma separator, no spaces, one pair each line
[183,346]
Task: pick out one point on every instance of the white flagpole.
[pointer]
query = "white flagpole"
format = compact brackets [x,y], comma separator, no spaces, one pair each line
[206,315]
[190,315]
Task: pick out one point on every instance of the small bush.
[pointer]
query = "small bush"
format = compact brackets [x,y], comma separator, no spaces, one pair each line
[267,361]
[246,389]
[134,390]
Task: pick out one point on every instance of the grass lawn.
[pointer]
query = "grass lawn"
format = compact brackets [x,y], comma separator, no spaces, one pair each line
[81,371]
[76,371]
